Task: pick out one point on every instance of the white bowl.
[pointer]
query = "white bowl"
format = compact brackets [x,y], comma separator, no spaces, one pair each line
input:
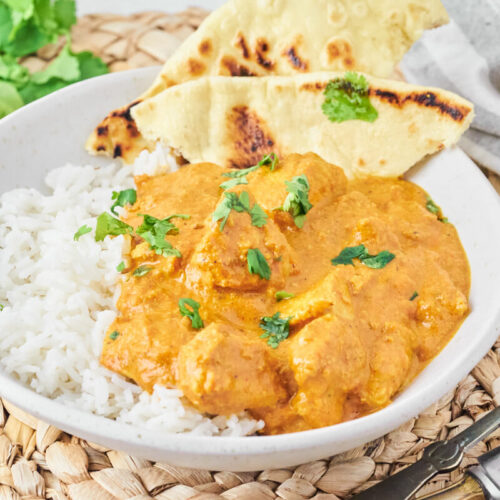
[52,131]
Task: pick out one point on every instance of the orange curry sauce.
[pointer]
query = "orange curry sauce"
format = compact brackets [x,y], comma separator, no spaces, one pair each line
[357,335]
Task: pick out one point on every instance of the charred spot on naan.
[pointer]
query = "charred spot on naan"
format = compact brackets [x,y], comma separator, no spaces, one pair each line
[294,59]
[261,50]
[205,47]
[241,44]
[195,67]
[229,66]
[250,137]
[426,99]
[339,53]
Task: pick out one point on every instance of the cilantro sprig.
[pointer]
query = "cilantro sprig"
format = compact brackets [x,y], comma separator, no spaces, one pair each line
[122,198]
[414,296]
[257,264]
[239,204]
[297,202]
[25,27]
[347,99]
[81,231]
[436,210]
[276,329]
[142,271]
[283,295]
[360,252]
[107,225]
[193,313]
[239,177]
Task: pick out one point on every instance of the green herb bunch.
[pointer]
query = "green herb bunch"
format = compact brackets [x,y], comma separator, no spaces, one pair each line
[25,27]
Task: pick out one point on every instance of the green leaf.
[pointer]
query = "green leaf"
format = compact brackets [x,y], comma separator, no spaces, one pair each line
[142,271]
[64,67]
[239,204]
[26,38]
[297,202]
[276,329]
[32,91]
[120,267]
[1,307]
[378,261]
[83,230]
[436,210]
[109,226]
[282,295]
[12,71]
[155,230]
[90,65]
[360,252]
[5,25]
[257,264]
[65,14]
[10,100]
[114,335]
[347,99]
[234,182]
[193,313]
[414,296]
[122,198]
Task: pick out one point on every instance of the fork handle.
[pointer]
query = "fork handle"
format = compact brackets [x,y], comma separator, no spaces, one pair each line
[466,489]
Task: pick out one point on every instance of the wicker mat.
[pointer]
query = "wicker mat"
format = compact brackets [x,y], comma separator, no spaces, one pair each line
[38,461]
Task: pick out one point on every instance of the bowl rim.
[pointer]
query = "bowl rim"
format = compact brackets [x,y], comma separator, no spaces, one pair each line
[73,420]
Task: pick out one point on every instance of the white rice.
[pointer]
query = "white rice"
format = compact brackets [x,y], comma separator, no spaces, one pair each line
[59,299]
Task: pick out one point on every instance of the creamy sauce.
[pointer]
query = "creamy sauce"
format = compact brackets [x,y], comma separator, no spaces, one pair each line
[356,337]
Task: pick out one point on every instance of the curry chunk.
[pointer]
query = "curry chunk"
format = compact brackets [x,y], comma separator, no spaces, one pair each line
[327,182]
[221,257]
[221,372]
[329,360]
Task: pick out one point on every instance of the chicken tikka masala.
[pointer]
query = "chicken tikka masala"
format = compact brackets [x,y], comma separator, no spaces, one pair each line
[284,290]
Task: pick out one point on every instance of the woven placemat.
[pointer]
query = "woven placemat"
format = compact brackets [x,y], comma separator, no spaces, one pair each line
[38,461]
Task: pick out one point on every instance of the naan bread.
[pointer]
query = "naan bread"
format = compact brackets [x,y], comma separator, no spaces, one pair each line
[235,121]
[282,37]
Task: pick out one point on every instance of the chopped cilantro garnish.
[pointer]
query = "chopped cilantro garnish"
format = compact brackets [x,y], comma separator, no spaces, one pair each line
[239,204]
[142,271]
[120,267]
[434,209]
[257,264]
[414,296]
[347,99]
[360,252]
[276,329]
[239,176]
[83,230]
[2,307]
[193,313]
[122,198]
[108,225]
[114,335]
[297,202]
[155,230]
[282,295]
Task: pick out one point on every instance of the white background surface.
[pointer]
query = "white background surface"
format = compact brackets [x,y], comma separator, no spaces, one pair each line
[129,6]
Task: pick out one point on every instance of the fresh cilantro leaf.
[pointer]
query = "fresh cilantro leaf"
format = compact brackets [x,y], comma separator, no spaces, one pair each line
[378,261]
[11,71]
[122,198]
[155,230]
[414,296]
[65,13]
[1,307]
[120,267]
[10,100]
[109,226]
[347,99]
[142,271]
[237,181]
[436,210]
[239,204]
[348,254]
[193,313]
[297,202]
[83,230]
[5,25]
[64,67]
[276,329]
[90,65]
[360,252]
[282,295]
[270,160]
[114,335]
[32,91]
[259,217]
[257,264]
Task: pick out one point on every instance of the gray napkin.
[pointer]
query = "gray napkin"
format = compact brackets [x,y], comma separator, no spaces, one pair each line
[464,57]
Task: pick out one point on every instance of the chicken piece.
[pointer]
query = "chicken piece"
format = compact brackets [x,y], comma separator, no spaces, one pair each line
[221,257]
[144,347]
[223,373]
[326,181]
[329,361]
[390,362]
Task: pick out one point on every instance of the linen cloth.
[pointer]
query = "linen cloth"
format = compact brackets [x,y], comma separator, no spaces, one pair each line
[464,57]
